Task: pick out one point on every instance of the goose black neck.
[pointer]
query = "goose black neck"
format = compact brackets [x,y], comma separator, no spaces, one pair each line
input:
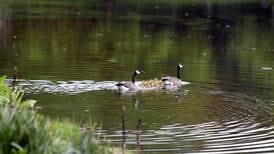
[178,72]
[133,77]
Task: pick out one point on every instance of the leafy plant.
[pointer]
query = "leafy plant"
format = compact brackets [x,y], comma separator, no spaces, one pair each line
[24,132]
[13,96]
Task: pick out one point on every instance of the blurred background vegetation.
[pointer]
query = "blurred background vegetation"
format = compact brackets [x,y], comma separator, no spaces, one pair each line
[225,45]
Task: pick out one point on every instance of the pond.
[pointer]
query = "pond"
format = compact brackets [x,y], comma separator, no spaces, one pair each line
[69,56]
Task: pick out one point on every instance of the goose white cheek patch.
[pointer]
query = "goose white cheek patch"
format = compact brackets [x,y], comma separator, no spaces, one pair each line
[138,72]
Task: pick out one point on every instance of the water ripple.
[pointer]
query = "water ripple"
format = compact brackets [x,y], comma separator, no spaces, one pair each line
[243,124]
[69,87]
[246,128]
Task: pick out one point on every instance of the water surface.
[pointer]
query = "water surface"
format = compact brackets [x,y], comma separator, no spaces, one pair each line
[70,55]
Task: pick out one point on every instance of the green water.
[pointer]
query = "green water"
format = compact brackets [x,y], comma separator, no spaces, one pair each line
[227,48]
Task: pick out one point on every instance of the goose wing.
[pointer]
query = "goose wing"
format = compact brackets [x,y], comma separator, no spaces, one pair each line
[170,80]
[127,85]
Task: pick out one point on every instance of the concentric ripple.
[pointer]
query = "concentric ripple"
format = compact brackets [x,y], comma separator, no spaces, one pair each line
[234,123]
[244,125]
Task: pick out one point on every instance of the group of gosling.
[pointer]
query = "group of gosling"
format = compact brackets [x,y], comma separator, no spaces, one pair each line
[168,81]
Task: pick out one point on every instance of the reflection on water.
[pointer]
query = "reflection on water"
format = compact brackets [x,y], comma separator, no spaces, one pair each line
[64,48]
[204,120]
[243,124]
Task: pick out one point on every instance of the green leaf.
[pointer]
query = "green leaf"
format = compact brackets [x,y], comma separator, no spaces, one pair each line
[4,100]
[19,150]
[29,103]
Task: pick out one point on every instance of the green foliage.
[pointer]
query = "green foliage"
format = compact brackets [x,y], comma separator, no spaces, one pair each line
[83,141]
[24,132]
[13,96]
[67,132]
[5,91]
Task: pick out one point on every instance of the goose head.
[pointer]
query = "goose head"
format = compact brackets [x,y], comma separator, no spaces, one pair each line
[180,66]
[137,72]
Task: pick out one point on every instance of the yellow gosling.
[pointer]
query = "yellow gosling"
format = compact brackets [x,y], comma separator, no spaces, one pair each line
[152,83]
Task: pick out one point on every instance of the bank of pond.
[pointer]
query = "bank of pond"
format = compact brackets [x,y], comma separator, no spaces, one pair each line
[22,130]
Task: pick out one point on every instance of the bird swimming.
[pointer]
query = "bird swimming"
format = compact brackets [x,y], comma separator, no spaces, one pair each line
[129,85]
[173,81]
[152,83]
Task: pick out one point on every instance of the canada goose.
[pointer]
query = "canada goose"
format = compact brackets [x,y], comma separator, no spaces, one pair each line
[173,81]
[129,85]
